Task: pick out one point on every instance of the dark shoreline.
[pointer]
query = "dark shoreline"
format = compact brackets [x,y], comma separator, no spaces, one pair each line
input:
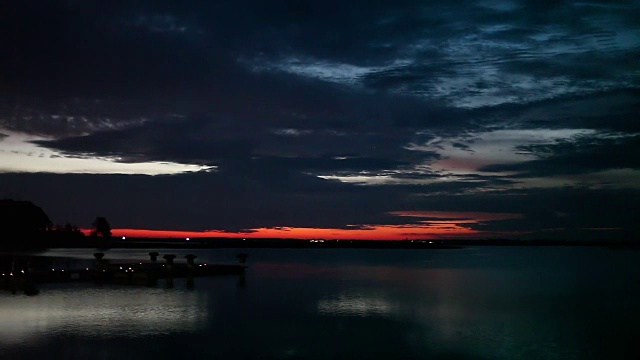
[372,244]
[212,243]
[23,242]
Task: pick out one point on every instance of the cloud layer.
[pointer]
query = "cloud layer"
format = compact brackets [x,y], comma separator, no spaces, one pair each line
[324,114]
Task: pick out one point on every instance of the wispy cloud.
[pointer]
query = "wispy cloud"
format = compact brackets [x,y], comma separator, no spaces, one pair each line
[19,154]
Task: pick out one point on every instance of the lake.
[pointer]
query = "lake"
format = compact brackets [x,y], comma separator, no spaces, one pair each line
[471,303]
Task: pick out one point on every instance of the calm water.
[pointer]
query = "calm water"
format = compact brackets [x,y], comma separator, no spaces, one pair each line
[473,303]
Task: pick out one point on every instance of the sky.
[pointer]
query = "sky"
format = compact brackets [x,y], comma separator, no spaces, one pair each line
[325,119]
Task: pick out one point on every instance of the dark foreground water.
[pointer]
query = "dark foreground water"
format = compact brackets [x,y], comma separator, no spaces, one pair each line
[473,303]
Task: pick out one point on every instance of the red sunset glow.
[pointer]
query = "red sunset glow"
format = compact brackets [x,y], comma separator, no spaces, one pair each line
[432,231]
[437,225]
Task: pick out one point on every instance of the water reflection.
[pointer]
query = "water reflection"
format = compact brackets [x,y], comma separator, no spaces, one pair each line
[358,304]
[464,304]
[101,312]
[540,312]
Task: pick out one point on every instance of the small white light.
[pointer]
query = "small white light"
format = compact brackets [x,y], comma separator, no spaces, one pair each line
[62,269]
[187,239]
[23,271]
[124,238]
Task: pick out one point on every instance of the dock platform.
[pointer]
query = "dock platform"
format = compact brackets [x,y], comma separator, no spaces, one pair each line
[17,277]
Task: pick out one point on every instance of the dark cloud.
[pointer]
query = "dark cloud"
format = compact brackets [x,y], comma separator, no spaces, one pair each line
[461,146]
[203,140]
[285,99]
[59,118]
[192,141]
[582,155]
[550,213]
[607,110]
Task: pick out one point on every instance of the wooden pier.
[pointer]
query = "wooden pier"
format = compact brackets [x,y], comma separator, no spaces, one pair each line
[26,278]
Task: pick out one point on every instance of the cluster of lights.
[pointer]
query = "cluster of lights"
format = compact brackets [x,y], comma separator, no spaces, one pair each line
[130,269]
[11,273]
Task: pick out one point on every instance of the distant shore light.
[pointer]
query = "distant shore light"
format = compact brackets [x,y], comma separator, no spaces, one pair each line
[124,238]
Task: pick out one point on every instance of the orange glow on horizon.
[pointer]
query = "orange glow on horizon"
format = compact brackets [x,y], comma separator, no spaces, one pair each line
[439,230]
[436,225]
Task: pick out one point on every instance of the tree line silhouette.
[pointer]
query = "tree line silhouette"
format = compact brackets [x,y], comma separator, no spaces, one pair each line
[23,225]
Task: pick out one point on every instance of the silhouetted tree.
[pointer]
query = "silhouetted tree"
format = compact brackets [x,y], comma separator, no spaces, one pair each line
[22,217]
[67,235]
[101,227]
[22,225]
[67,229]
